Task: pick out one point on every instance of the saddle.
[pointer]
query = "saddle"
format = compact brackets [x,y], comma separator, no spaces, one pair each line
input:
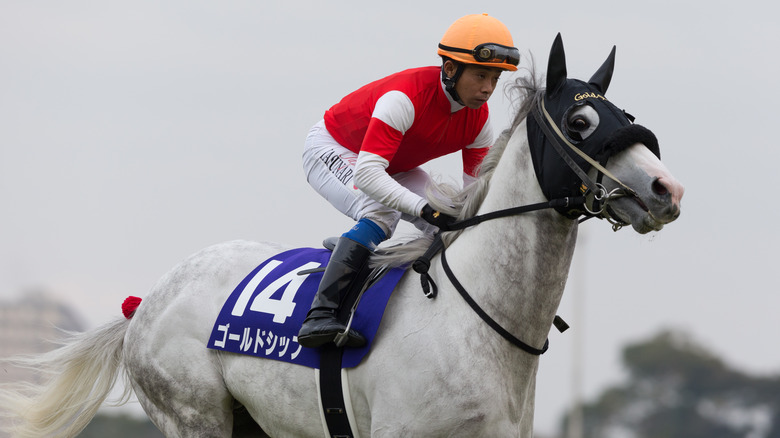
[262,315]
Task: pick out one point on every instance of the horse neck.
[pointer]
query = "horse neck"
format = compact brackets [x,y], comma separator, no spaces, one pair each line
[516,267]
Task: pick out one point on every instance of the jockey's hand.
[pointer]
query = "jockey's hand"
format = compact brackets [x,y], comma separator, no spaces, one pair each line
[437,218]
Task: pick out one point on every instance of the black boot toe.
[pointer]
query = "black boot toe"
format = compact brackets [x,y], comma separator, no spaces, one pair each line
[317,332]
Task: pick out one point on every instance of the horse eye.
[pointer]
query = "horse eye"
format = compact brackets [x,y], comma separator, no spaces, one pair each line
[581,121]
[579,124]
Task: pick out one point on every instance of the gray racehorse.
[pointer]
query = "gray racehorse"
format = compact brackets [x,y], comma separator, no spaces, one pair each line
[436,368]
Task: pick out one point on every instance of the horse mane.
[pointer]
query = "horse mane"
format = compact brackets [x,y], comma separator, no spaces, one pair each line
[463,203]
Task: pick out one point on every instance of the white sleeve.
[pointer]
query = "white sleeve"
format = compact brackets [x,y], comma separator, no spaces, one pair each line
[396,110]
[371,178]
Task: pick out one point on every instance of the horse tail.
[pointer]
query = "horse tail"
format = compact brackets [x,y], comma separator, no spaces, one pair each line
[77,378]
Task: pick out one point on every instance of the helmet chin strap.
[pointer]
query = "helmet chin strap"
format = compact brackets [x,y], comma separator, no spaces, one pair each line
[449,82]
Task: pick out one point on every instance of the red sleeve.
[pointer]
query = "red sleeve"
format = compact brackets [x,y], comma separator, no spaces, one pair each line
[381,139]
[472,158]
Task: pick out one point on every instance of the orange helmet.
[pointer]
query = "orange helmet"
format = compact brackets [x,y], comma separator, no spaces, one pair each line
[480,39]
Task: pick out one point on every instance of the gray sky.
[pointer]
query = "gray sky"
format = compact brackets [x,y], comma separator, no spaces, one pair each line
[132,135]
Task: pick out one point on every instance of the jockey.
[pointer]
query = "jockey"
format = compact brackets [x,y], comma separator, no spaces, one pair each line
[364,156]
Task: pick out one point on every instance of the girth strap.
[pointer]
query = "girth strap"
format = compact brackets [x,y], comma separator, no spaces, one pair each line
[331,394]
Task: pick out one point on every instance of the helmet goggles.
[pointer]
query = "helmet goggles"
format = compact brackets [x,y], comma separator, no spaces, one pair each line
[489,52]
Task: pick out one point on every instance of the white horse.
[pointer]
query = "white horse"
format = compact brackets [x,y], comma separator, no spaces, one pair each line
[436,369]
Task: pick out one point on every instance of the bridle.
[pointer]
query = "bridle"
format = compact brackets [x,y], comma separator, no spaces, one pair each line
[596,194]
[593,192]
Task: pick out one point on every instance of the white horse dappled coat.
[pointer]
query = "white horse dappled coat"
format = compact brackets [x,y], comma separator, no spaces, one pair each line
[435,369]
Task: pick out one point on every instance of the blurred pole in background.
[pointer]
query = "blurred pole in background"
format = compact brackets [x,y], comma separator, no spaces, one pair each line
[575,424]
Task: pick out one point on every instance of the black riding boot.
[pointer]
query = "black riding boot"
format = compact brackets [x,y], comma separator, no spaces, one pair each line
[321,326]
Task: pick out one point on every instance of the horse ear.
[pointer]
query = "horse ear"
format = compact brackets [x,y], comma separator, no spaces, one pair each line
[603,75]
[556,66]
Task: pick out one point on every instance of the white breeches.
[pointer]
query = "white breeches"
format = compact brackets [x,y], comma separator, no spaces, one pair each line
[330,167]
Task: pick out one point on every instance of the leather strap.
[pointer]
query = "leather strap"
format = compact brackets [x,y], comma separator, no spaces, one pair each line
[485,317]
[331,392]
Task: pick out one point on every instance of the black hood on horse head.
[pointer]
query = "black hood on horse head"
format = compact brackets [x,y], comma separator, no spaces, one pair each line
[613,133]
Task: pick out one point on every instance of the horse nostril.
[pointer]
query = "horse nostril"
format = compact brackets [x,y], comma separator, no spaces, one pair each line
[659,188]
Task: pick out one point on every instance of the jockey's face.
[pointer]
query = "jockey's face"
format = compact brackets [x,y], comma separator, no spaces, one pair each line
[476,84]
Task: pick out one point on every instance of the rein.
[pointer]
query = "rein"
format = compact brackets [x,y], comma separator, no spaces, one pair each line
[514,211]
[485,317]
[430,290]
[423,263]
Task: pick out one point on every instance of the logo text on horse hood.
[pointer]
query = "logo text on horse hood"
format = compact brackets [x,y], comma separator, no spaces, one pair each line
[582,96]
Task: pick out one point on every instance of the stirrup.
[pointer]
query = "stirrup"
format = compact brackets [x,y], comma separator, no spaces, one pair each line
[342,337]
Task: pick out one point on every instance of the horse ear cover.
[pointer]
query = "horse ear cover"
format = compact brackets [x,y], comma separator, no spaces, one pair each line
[556,66]
[603,75]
